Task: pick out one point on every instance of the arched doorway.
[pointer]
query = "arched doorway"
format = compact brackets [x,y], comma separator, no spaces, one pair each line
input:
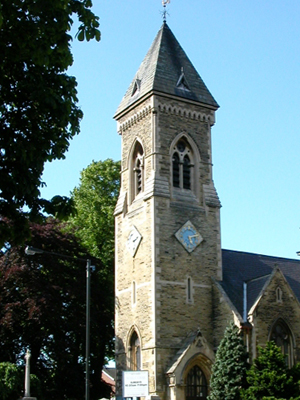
[196,384]
[135,352]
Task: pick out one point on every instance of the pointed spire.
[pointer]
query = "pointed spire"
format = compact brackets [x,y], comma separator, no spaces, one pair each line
[166,69]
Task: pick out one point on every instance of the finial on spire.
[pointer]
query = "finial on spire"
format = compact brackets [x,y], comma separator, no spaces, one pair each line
[164,3]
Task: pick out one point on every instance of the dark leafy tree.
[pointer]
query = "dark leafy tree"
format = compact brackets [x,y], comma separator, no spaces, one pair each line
[270,378]
[42,307]
[229,369]
[38,99]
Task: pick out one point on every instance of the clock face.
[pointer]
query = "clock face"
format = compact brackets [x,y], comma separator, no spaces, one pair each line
[188,236]
[133,241]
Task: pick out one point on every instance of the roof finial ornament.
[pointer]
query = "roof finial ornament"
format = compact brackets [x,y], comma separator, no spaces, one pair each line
[164,13]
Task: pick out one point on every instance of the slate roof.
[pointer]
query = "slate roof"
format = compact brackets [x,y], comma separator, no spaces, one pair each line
[255,269]
[167,69]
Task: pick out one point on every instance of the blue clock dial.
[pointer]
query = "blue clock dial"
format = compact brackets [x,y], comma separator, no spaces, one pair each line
[188,236]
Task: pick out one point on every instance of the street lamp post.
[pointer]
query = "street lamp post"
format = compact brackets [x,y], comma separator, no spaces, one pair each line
[29,250]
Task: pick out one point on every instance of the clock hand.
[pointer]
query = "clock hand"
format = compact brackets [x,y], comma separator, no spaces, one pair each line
[192,236]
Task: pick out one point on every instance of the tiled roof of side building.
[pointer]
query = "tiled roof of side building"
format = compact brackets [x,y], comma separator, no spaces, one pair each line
[166,69]
[240,267]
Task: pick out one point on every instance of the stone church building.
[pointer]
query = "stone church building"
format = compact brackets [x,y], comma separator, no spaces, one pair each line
[176,289]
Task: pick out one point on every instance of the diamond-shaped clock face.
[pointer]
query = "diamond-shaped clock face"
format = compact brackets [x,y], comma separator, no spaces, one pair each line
[133,241]
[188,236]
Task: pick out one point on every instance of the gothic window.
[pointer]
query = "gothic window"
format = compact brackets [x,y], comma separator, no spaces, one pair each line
[278,295]
[137,170]
[135,352]
[182,165]
[282,337]
[196,384]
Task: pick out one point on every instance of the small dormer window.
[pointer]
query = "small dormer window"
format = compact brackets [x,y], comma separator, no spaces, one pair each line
[182,82]
[136,87]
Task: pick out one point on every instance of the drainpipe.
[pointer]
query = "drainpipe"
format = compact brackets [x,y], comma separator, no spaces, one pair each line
[245,314]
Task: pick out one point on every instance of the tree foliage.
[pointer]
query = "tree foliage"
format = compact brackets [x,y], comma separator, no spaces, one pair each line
[95,199]
[229,369]
[269,377]
[12,382]
[38,99]
[42,307]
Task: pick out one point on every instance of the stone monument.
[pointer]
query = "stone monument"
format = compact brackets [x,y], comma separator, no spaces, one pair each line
[27,377]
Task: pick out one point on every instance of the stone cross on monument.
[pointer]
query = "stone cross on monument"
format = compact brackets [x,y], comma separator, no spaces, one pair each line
[27,377]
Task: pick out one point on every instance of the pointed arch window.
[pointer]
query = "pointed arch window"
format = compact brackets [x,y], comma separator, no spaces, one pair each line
[135,352]
[282,337]
[137,170]
[278,295]
[196,384]
[182,165]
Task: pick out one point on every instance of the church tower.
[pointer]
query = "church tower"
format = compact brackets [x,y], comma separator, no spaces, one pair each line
[167,225]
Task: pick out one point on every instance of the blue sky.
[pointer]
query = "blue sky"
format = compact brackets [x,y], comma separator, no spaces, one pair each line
[248,54]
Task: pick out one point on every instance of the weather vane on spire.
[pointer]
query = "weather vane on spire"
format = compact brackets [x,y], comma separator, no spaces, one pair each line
[164,3]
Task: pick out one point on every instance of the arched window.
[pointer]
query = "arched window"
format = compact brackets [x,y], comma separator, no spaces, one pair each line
[278,295]
[135,352]
[196,384]
[137,170]
[182,165]
[282,337]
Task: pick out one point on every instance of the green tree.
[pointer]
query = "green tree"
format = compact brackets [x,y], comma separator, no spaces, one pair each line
[42,307]
[95,200]
[270,378]
[229,369]
[93,224]
[12,382]
[38,99]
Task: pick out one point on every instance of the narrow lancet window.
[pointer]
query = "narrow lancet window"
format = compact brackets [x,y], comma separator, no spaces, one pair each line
[189,290]
[176,180]
[186,173]
[137,170]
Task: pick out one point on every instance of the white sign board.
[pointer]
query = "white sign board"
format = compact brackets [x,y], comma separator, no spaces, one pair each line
[135,384]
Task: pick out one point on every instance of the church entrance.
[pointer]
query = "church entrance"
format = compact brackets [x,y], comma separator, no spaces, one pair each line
[196,384]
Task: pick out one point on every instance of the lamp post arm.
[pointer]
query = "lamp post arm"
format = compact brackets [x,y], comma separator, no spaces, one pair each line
[31,251]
